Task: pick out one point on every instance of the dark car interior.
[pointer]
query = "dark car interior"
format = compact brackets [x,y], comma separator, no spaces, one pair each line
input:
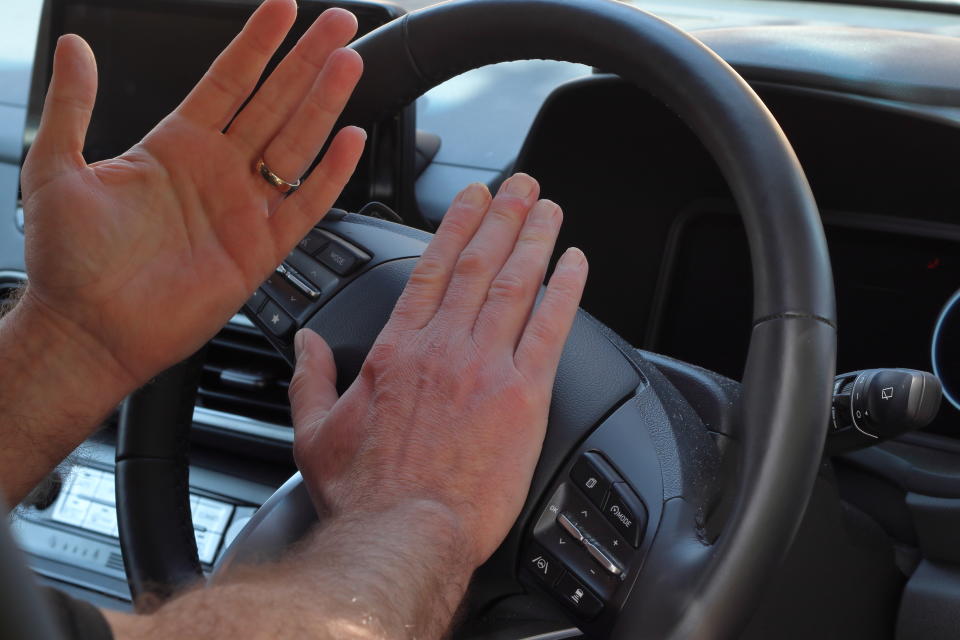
[702,398]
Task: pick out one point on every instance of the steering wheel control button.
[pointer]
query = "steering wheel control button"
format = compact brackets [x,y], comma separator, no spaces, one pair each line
[298,282]
[605,560]
[543,565]
[578,596]
[314,272]
[594,476]
[314,242]
[342,258]
[275,320]
[568,525]
[284,294]
[625,512]
[255,302]
[612,544]
[561,530]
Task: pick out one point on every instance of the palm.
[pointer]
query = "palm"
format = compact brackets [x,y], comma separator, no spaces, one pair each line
[151,252]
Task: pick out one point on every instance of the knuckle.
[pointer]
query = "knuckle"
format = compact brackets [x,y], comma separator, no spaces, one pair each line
[312,64]
[301,453]
[433,350]
[532,243]
[544,333]
[380,359]
[382,353]
[507,209]
[520,397]
[510,287]
[223,83]
[69,101]
[565,290]
[299,383]
[510,391]
[323,107]
[465,378]
[454,224]
[259,46]
[429,271]
[471,263]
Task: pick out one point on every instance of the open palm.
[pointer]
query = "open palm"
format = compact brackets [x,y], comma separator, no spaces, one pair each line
[148,254]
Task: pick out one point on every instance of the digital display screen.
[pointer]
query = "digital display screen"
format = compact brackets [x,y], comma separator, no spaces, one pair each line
[890,289]
[151,53]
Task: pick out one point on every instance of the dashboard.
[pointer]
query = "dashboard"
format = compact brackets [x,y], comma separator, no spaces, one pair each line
[868,97]
[659,211]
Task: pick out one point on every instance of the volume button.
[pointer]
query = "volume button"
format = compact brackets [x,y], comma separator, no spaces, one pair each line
[601,557]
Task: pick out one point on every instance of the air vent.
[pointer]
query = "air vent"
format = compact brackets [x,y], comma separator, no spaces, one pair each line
[244,384]
[10,283]
[115,562]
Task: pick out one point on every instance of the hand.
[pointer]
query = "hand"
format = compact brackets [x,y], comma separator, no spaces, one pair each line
[145,256]
[450,407]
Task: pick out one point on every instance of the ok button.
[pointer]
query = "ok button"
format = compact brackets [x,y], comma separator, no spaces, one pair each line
[625,512]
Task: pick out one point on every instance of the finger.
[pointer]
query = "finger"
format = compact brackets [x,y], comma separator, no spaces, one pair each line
[234,74]
[538,353]
[489,248]
[430,278]
[313,387]
[294,149]
[299,212]
[514,290]
[282,92]
[67,108]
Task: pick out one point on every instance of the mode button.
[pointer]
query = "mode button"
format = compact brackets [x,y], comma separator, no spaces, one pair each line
[341,258]
[625,511]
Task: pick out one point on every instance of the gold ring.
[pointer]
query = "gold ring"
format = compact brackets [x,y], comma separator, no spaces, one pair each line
[284,187]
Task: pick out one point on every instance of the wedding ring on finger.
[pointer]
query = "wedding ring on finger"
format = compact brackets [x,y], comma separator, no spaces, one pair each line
[281,185]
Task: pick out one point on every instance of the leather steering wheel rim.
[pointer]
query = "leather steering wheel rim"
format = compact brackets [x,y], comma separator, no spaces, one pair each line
[790,366]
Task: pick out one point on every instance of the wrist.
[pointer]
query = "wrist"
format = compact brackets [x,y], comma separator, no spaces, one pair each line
[433,524]
[439,528]
[417,544]
[55,387]
[78,353]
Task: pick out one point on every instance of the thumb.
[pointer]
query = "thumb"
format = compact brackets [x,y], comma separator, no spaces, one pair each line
[313,388]
[58,146]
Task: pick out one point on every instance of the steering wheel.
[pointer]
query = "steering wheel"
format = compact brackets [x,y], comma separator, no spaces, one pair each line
[642,521]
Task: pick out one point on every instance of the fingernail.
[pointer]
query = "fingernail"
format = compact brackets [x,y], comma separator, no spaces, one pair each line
[475,195]
[572,257]
[519,185]
[299,342]
[362,131]
[546,210]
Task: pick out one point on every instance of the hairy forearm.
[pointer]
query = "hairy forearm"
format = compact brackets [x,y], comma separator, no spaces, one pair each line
[56,386]
[398,574]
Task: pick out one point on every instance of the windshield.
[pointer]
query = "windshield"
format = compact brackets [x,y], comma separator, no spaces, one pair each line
[411,5]
[949,5]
